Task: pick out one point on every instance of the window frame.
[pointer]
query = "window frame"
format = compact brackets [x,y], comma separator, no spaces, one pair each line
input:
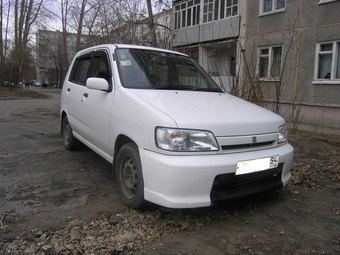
[273,9]
[326,1]
[270,54]
[335,62]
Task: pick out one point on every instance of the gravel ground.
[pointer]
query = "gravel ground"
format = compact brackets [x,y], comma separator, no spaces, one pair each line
[301,218]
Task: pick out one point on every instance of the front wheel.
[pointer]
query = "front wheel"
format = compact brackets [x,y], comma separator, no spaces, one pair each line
[129,176]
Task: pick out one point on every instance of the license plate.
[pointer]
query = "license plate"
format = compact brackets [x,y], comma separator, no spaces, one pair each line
[256,165]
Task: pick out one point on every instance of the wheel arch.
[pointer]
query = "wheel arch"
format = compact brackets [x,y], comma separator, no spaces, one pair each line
[119,143]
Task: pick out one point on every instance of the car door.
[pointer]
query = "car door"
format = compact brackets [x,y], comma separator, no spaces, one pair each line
[96,104]
[73,91]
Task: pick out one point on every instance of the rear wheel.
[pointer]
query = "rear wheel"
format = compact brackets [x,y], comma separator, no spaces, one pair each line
[129,176]
[70,142]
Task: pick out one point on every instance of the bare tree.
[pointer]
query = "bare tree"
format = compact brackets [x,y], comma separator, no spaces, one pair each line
[25,14]
[80,14]
[127,21]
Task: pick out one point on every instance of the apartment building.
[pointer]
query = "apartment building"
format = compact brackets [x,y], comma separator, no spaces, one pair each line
[51,60]
[282,54]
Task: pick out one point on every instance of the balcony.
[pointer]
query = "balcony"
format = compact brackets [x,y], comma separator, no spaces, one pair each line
[207,32]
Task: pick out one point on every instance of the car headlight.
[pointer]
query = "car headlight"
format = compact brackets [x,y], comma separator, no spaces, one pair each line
[283,134]
[173,139]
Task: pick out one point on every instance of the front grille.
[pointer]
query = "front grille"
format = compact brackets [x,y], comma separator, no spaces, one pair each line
[230,187]
[248,145]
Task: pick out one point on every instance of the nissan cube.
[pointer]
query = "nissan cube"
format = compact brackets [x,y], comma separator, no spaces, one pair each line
[173,137]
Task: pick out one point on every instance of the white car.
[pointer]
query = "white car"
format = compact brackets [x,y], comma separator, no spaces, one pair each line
[173,136]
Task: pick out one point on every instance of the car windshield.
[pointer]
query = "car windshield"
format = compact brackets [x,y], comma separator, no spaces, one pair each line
[148,69]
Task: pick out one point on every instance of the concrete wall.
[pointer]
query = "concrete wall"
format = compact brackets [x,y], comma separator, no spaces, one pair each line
[298,29]
[324,119]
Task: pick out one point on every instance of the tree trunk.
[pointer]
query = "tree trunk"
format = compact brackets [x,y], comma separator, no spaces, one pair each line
[24,17]
[64,14]
[80,24]
[2,57]
[151,24]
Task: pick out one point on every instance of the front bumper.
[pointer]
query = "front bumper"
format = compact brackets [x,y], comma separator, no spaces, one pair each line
[200,181]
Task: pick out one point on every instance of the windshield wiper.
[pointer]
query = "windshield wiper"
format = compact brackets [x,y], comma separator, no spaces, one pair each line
[186,87]
[175,87]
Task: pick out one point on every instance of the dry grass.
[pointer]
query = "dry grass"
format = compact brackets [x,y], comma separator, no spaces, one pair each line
[21,93]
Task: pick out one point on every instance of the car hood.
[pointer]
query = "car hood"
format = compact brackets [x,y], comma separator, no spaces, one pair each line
[221,113]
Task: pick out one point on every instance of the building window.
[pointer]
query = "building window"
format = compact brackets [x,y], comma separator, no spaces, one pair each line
[328,61]
[179,15]
[193,16]
[232,69]
[230,7]
[208,10]
[219,9]
[269,64]
[187,14]
[270,6]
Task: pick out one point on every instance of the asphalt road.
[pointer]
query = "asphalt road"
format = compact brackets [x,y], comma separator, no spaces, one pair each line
[43,185]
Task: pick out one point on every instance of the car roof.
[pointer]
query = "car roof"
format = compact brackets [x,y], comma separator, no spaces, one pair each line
[126,46]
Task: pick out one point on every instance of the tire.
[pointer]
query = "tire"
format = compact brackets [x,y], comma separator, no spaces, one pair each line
[70,142]
[129,176]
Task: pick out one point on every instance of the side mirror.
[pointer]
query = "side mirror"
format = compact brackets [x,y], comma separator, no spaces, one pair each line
[97,83]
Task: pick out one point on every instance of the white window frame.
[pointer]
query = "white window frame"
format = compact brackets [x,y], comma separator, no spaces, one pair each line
[178,17]
[219,6]
[270,55]
[195,13]
[181,14]
[207,11]
[334,78]
[231,7]
[274,8]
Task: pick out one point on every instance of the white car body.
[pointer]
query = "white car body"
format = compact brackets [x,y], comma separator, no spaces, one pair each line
[246,135]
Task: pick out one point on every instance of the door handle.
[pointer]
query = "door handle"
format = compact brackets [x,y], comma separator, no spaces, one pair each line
[68,89]
[84,95]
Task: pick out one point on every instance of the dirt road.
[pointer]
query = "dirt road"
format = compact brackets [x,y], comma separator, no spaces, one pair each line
[42,184]
[48,193]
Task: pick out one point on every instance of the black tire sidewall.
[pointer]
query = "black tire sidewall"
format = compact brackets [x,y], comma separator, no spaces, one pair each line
[72,143]
[130,150]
